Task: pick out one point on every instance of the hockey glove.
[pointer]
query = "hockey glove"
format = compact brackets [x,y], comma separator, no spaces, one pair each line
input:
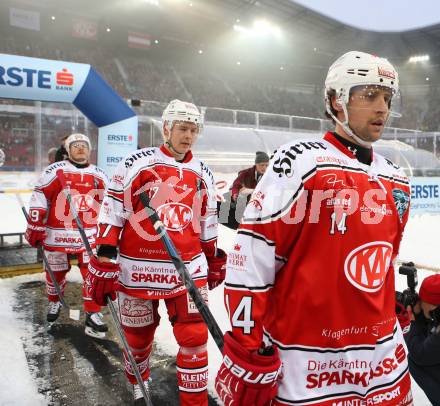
[247,377]
[36,230]
[216,269]
[101,280]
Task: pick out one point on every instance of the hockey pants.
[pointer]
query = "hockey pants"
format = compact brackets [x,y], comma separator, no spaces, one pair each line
[60,264]
[139,319]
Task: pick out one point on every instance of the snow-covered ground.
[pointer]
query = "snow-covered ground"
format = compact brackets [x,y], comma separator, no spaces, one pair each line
[420,244]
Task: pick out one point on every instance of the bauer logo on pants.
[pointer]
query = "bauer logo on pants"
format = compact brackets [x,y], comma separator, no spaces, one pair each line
[366,266]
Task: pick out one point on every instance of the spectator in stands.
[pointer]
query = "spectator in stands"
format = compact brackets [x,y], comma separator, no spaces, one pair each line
[247,179]
[234,202]
[423,338]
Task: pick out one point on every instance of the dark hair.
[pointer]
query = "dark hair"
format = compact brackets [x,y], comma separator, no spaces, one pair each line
[61,154]
[330,94]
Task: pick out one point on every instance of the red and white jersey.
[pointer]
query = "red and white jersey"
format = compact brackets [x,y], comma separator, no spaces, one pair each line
[183,194]
[311,271]
[48,201]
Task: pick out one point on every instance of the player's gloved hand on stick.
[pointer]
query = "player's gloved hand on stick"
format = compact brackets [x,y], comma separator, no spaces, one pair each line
[102,280]
[247,377]
[36,230]
[35,234]
[216,269]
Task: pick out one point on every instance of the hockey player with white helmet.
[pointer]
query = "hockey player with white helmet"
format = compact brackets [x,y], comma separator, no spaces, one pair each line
[132,261]
[50,225]
[310,281]
[354,72]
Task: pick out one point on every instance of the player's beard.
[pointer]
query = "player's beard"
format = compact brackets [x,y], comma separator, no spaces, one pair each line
[364,132]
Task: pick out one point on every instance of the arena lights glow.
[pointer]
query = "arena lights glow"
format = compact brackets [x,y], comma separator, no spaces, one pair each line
[419,58]
[259,28]
[152,2]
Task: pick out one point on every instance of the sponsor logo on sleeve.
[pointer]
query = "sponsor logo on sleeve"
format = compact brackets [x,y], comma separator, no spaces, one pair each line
[401,200]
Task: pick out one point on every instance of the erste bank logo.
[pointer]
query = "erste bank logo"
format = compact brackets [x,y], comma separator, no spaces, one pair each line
[120,138]
[64,80]
[18,76]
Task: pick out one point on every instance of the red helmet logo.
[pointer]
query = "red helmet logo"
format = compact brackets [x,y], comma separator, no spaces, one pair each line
[366,266]
[175,216]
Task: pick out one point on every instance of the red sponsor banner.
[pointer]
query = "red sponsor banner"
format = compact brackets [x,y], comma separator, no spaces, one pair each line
[84,29]
[139,40]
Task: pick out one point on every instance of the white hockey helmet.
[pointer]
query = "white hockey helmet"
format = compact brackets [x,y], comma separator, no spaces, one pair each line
[77,137]
[354,69]
[178,110]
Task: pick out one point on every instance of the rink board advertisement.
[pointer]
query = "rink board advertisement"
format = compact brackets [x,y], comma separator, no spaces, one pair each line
[425,195]
[67,82]
[115,141]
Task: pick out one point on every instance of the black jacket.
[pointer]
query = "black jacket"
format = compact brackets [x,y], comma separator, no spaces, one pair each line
[424,357]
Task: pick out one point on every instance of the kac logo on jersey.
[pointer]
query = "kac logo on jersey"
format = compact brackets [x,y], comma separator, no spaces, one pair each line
[401,200]
[175,216]
[82,202]
[366,266]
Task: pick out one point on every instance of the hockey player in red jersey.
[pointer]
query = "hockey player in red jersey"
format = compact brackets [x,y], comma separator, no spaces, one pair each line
[181,189]
[310,280]
[52,226]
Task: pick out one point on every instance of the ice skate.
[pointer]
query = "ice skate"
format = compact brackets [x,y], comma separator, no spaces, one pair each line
[53,311]
[138,397]
[95,326]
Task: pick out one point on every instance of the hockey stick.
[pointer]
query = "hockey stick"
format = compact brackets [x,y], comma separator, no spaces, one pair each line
[134,367]
[73,313]
[180,266]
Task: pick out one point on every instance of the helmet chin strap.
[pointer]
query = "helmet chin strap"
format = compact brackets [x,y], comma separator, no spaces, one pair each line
[170,146]
[346,127]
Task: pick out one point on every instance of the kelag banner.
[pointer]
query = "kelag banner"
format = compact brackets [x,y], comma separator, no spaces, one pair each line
[59,81]
[425,195]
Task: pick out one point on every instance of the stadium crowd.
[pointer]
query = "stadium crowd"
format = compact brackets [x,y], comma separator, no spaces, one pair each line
[136,76]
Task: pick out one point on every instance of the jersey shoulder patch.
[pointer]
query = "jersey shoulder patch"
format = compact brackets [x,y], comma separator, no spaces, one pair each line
[52,168]
[285,157]
[138,156]
[206,172]
[389,168]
